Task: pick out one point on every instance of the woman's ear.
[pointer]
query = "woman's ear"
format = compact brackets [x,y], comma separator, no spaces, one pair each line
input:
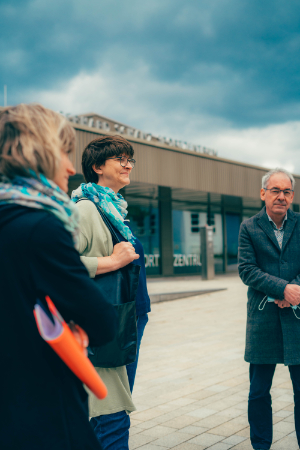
[96,169]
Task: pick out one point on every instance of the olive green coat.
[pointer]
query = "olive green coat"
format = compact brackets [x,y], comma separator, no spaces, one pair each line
[94,241]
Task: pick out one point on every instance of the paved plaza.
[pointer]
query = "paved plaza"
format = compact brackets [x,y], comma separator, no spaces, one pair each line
[192,383]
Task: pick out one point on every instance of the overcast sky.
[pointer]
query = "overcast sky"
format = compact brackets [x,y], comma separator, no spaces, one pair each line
[220,73]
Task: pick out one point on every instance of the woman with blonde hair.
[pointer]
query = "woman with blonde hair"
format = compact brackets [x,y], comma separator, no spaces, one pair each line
[43,404]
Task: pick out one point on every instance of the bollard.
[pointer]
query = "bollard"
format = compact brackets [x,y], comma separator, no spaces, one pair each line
[207,253]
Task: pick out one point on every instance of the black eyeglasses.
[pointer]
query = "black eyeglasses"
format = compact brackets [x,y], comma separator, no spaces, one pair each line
[124,161]
[275,191]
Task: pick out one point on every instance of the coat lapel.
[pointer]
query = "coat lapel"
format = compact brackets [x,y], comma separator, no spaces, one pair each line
[288,228]
[264,223]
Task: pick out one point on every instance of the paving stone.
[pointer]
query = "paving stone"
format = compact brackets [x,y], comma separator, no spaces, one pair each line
[211,421]
[219,446]
[134,430]
[230,412]
[217,388]
[277,419]
[181,421]
[202,413]
[152,447]
[234,440]
[283,413]
[289,419]
[138,440]
[188,446]
[146,425]
[206,439]
[241,420]
[195,431]
[244,433]
[286,398]
[286,443]
[157,431]
[148,414]
[289,408]
[278,435]
[284,427]
[173,439]
[134,422]
[227,429]
[246,445]
[181,401]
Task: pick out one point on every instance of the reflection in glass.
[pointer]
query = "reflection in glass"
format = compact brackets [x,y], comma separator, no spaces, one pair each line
[144,222]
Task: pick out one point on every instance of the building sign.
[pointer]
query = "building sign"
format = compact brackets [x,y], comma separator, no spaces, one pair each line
[186,260]
[103,124]
[180,260]
[152,260]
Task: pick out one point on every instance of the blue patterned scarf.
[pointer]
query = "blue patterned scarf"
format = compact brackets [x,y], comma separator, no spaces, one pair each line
[111,204]
[41,193]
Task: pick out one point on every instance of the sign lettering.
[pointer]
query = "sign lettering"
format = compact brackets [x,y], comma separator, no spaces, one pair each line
[180,260]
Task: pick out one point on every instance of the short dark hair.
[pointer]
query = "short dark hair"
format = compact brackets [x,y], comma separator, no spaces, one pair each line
[97,152]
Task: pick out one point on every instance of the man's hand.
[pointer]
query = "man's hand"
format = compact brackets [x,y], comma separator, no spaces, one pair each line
[292,294]
[282,303]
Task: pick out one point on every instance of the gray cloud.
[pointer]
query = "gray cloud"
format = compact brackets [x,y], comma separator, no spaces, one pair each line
[228,60]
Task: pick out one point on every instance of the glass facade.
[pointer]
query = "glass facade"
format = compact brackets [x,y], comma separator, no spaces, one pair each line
[143,214]
[144,222]
[189,211]
[218,243]
[187,240]
[233,222]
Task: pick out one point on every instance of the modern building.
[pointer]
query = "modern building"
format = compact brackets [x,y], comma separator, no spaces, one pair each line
[176,188]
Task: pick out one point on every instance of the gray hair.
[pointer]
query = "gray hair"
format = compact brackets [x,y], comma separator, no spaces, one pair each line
[267,176]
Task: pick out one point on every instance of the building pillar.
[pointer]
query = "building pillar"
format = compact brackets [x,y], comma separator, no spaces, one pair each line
[224,237]
[166,230]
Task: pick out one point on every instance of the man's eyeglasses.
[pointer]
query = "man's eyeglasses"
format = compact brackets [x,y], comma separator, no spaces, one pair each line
[124,161]
[275,191]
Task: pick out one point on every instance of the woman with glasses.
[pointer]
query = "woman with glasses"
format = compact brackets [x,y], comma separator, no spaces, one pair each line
[107,163]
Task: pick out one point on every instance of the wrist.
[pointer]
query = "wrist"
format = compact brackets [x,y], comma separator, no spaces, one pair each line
[286,289]
[114,263]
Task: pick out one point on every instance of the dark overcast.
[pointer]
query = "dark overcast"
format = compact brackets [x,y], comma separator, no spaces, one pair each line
[239,60]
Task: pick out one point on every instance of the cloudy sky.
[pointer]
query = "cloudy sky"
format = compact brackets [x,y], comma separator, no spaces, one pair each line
[219,73]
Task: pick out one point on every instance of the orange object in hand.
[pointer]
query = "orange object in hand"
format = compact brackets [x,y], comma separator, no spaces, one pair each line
[58,335]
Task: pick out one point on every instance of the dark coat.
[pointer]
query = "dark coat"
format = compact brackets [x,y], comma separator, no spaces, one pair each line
[43,405]
[273,334]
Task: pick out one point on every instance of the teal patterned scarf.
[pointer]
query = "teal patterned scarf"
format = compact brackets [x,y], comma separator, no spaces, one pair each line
[40,193]
[111,204]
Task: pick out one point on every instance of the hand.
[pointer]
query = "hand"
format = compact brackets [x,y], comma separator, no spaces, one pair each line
[282,303]
[80,336]
[292,294]
[123,254]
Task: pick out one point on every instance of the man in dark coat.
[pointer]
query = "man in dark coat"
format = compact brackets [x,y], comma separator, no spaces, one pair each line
[269,263]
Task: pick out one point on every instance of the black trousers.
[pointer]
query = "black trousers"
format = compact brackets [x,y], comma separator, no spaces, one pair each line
[260,403]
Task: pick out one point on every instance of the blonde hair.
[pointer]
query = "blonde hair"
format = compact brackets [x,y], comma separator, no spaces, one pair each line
[32,137]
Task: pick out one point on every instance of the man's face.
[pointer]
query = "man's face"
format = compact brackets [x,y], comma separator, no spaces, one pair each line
[277,203]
